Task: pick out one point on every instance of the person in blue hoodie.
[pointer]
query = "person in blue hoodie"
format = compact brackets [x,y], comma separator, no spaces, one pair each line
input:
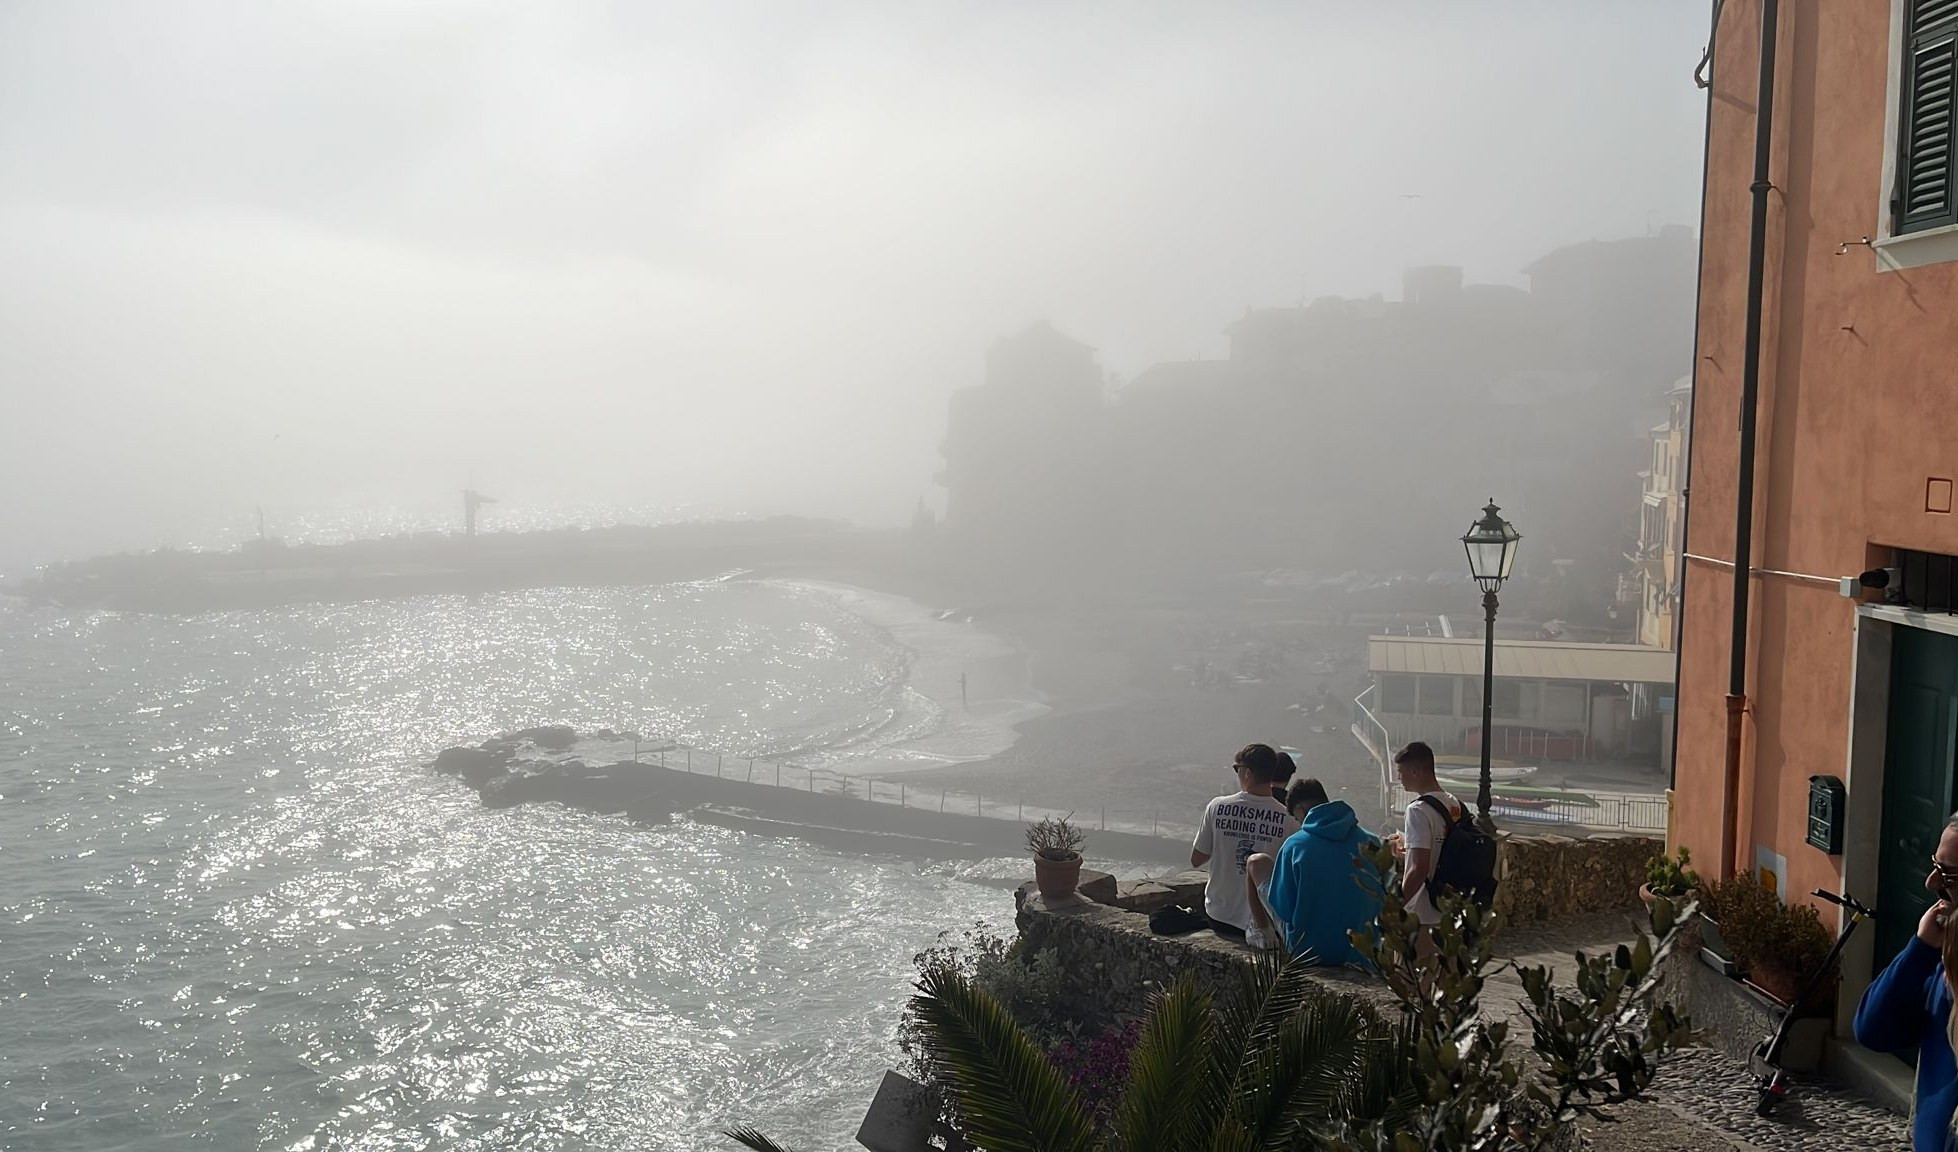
[1909,1007]
[1318,885]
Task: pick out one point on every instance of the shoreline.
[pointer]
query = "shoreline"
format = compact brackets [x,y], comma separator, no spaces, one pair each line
[968,687]
[1140,706]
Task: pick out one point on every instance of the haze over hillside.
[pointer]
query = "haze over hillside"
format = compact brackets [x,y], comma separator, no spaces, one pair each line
[702,259]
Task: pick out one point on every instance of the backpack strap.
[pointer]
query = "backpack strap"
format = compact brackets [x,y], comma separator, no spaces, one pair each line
[1447,817]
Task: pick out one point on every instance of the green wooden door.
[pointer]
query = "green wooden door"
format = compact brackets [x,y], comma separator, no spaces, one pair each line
[1917,779]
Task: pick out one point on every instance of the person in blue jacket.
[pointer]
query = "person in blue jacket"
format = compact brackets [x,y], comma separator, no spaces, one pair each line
[1909,1007]
[1318,885]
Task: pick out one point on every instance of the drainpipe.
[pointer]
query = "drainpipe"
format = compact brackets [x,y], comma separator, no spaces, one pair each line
[1750,397]
[1692,423]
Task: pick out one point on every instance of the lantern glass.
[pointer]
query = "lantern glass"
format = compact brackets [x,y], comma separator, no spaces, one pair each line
[1491,546]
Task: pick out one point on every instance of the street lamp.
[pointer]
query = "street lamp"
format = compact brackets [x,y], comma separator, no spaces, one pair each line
[1491,545]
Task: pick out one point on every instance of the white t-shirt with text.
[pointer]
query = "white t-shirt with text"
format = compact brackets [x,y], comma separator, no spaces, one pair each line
[1426,829]
[1233,828]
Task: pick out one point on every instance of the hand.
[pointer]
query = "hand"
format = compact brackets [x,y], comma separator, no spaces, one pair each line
[1398,845]
[1931,928]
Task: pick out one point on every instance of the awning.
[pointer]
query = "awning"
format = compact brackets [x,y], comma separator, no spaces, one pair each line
[1521,659]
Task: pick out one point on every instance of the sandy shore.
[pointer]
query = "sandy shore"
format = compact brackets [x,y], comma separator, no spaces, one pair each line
[967,689]
[1139,706]
[1133,727]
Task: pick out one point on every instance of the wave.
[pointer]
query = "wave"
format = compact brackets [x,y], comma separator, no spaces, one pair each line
[927,716]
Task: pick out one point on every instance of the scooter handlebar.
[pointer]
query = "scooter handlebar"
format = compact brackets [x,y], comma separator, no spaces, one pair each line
[1842,900]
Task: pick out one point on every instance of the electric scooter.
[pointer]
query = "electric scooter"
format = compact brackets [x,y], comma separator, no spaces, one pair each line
[1773,1088]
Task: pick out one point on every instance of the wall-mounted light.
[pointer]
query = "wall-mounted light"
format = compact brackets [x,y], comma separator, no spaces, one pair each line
[1874,580]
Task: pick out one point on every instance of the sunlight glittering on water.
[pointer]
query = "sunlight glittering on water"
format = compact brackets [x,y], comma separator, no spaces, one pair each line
[240,915]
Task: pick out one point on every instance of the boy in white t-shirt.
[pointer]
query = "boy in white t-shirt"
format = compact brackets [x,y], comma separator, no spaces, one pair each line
[1234,827]
[1421,842]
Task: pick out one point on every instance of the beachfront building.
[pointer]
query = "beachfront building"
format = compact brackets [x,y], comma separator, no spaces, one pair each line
[1555,701]
[1562,709]
[1841,685]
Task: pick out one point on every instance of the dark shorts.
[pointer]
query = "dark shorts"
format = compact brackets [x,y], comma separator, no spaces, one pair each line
[1227,931]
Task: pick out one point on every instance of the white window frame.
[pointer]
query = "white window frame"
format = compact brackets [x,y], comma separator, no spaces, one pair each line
[1912,249]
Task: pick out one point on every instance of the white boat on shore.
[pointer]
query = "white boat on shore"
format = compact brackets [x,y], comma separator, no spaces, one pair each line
[1473,772]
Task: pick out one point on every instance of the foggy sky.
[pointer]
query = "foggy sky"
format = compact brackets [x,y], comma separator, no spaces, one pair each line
[725,258]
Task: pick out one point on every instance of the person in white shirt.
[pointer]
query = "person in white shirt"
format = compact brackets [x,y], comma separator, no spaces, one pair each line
[1421,842]
[1234,827]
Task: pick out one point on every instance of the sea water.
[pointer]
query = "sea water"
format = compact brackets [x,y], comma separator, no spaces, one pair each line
[237,913]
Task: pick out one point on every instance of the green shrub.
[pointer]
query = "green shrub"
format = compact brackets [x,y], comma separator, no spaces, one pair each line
[1777,946]
[1283,1062]
[1030,988]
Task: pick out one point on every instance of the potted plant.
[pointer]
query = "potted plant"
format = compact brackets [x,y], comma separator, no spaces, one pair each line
[1056,845]
[1777,948]
[1670,877]
[1793,945]
[1741,899]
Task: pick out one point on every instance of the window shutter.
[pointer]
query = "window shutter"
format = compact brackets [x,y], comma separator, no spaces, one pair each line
[1926,196]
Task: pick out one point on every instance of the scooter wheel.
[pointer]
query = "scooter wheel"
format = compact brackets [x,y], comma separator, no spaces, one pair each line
[1769,1095]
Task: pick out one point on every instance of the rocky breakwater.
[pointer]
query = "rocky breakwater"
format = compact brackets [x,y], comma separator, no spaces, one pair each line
[535,765]
[553,765]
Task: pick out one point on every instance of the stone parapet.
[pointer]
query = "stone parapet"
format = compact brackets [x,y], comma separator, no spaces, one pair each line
[1113,965]
[1547,878]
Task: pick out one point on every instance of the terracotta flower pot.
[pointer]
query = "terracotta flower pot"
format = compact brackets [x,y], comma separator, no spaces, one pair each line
[1651,899]
[1057,879]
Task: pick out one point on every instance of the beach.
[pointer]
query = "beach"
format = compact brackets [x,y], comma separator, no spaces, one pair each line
[1118,706]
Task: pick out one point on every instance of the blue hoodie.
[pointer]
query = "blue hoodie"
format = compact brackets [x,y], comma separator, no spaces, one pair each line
[1907,1007]
[1322,888]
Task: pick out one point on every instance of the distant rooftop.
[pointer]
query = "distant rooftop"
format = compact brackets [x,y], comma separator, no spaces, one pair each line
[1522,659]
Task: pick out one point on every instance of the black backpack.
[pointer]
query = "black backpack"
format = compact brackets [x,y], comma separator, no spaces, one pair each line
[1466,863]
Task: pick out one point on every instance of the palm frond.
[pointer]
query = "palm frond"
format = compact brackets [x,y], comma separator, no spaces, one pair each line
[1270,1059]
[1383,1092]
[1237,1021]
[1010,1097]
[1231,1136]
[1158,1108]
[1329,1055]
[748,1137]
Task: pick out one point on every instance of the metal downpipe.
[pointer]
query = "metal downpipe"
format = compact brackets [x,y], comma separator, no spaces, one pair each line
[1750,398]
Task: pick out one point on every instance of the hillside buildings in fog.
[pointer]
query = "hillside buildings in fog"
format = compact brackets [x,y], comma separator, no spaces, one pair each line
[1342,433]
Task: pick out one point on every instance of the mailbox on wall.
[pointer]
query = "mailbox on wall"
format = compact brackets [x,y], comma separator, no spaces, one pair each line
[1826,796]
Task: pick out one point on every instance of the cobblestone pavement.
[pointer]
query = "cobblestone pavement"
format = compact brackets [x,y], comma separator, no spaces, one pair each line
[1701,1099]
[1551,945]
[1704,1100]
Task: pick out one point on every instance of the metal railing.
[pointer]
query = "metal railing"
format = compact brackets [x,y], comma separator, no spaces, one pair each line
[784,772]
[1379,743]
[1539,813]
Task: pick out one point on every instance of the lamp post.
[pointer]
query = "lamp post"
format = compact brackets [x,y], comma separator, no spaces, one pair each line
[1491,545]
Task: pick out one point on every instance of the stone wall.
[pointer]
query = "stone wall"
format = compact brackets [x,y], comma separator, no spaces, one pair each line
[1733,1018]
[1546,878]
[1113,963]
